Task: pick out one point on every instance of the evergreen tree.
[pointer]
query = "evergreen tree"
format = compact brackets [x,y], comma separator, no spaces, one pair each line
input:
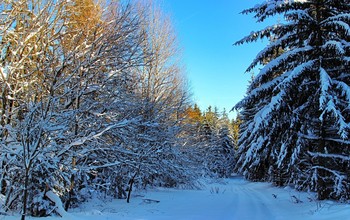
[216,144]
[211,118]
[221,152]
[234,130]
[295,117]
[193,114]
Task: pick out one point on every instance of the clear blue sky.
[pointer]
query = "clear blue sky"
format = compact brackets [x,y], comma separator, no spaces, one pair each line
[206,31]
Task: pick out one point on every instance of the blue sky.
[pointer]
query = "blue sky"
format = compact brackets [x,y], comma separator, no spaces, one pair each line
[206,31]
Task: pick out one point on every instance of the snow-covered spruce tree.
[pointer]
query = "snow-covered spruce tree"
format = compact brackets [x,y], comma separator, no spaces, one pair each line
[295,117]
[212,142]
[219,153]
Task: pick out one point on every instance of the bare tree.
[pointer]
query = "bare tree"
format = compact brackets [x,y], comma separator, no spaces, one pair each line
[88,100]
[50,87]
[162,81]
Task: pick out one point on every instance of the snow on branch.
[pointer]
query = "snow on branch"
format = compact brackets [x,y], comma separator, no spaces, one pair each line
[58,205]
[339,185]
[261,117]
[337,17]
[252,151]
[282,155]
[344,88]
[332,156]
[335,173]
[253,36]
[103,166]
[296,72]
[327,103]
[325,81]
[255,93]
[340,25]
[314,137]
[343,126]
[269,49]
[272,7]
[298,15]
[284,57]
[338,46]
[267,86]
[92,136]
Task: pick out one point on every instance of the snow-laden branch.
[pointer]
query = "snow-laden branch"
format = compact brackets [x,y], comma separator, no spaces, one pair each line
[338,46]
[103,166]
[335,173]
[344,88]
[58,205]
[82,140]
[283,58]
[325,82]
[331,156]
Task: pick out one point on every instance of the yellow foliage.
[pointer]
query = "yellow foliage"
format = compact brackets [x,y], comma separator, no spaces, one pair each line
[84,21]
[193,115]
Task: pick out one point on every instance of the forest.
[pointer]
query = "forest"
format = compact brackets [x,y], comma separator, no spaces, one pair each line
[95,100]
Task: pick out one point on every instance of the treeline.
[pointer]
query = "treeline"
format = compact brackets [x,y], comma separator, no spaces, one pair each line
[93,100]
[216,136]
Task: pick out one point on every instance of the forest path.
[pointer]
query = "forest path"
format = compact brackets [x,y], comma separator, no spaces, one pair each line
[250,203]
[228,199]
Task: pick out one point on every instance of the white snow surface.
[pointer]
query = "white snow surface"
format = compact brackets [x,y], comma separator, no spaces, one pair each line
[233,198]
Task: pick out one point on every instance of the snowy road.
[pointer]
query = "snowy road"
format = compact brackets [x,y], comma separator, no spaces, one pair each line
[250,204]
[234,199]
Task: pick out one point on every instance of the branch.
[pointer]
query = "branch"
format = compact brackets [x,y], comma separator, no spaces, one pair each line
[92,136]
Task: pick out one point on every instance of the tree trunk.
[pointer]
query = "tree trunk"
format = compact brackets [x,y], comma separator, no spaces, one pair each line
[321,185]
[70,193]
[3,183]
[25,194]
[71,187]
[131,183]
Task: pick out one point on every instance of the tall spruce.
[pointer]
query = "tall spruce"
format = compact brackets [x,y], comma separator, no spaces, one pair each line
[296,114]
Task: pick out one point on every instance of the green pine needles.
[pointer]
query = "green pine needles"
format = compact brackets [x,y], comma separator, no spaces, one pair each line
[296,115]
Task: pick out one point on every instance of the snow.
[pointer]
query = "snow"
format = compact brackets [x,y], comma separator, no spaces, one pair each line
[337,45]
[4,72]
[58,205]
[302,1]
[325,85]
[327,104]
[344,88]
[262,115]
[233,198]
[342,26]
[283,58]
[272,4]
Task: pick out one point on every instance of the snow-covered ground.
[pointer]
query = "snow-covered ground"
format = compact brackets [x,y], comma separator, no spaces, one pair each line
[230,199]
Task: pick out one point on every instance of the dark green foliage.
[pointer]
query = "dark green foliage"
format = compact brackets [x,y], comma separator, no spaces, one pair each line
[296,114]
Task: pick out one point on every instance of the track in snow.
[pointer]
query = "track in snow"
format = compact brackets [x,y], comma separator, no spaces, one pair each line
[236,199]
